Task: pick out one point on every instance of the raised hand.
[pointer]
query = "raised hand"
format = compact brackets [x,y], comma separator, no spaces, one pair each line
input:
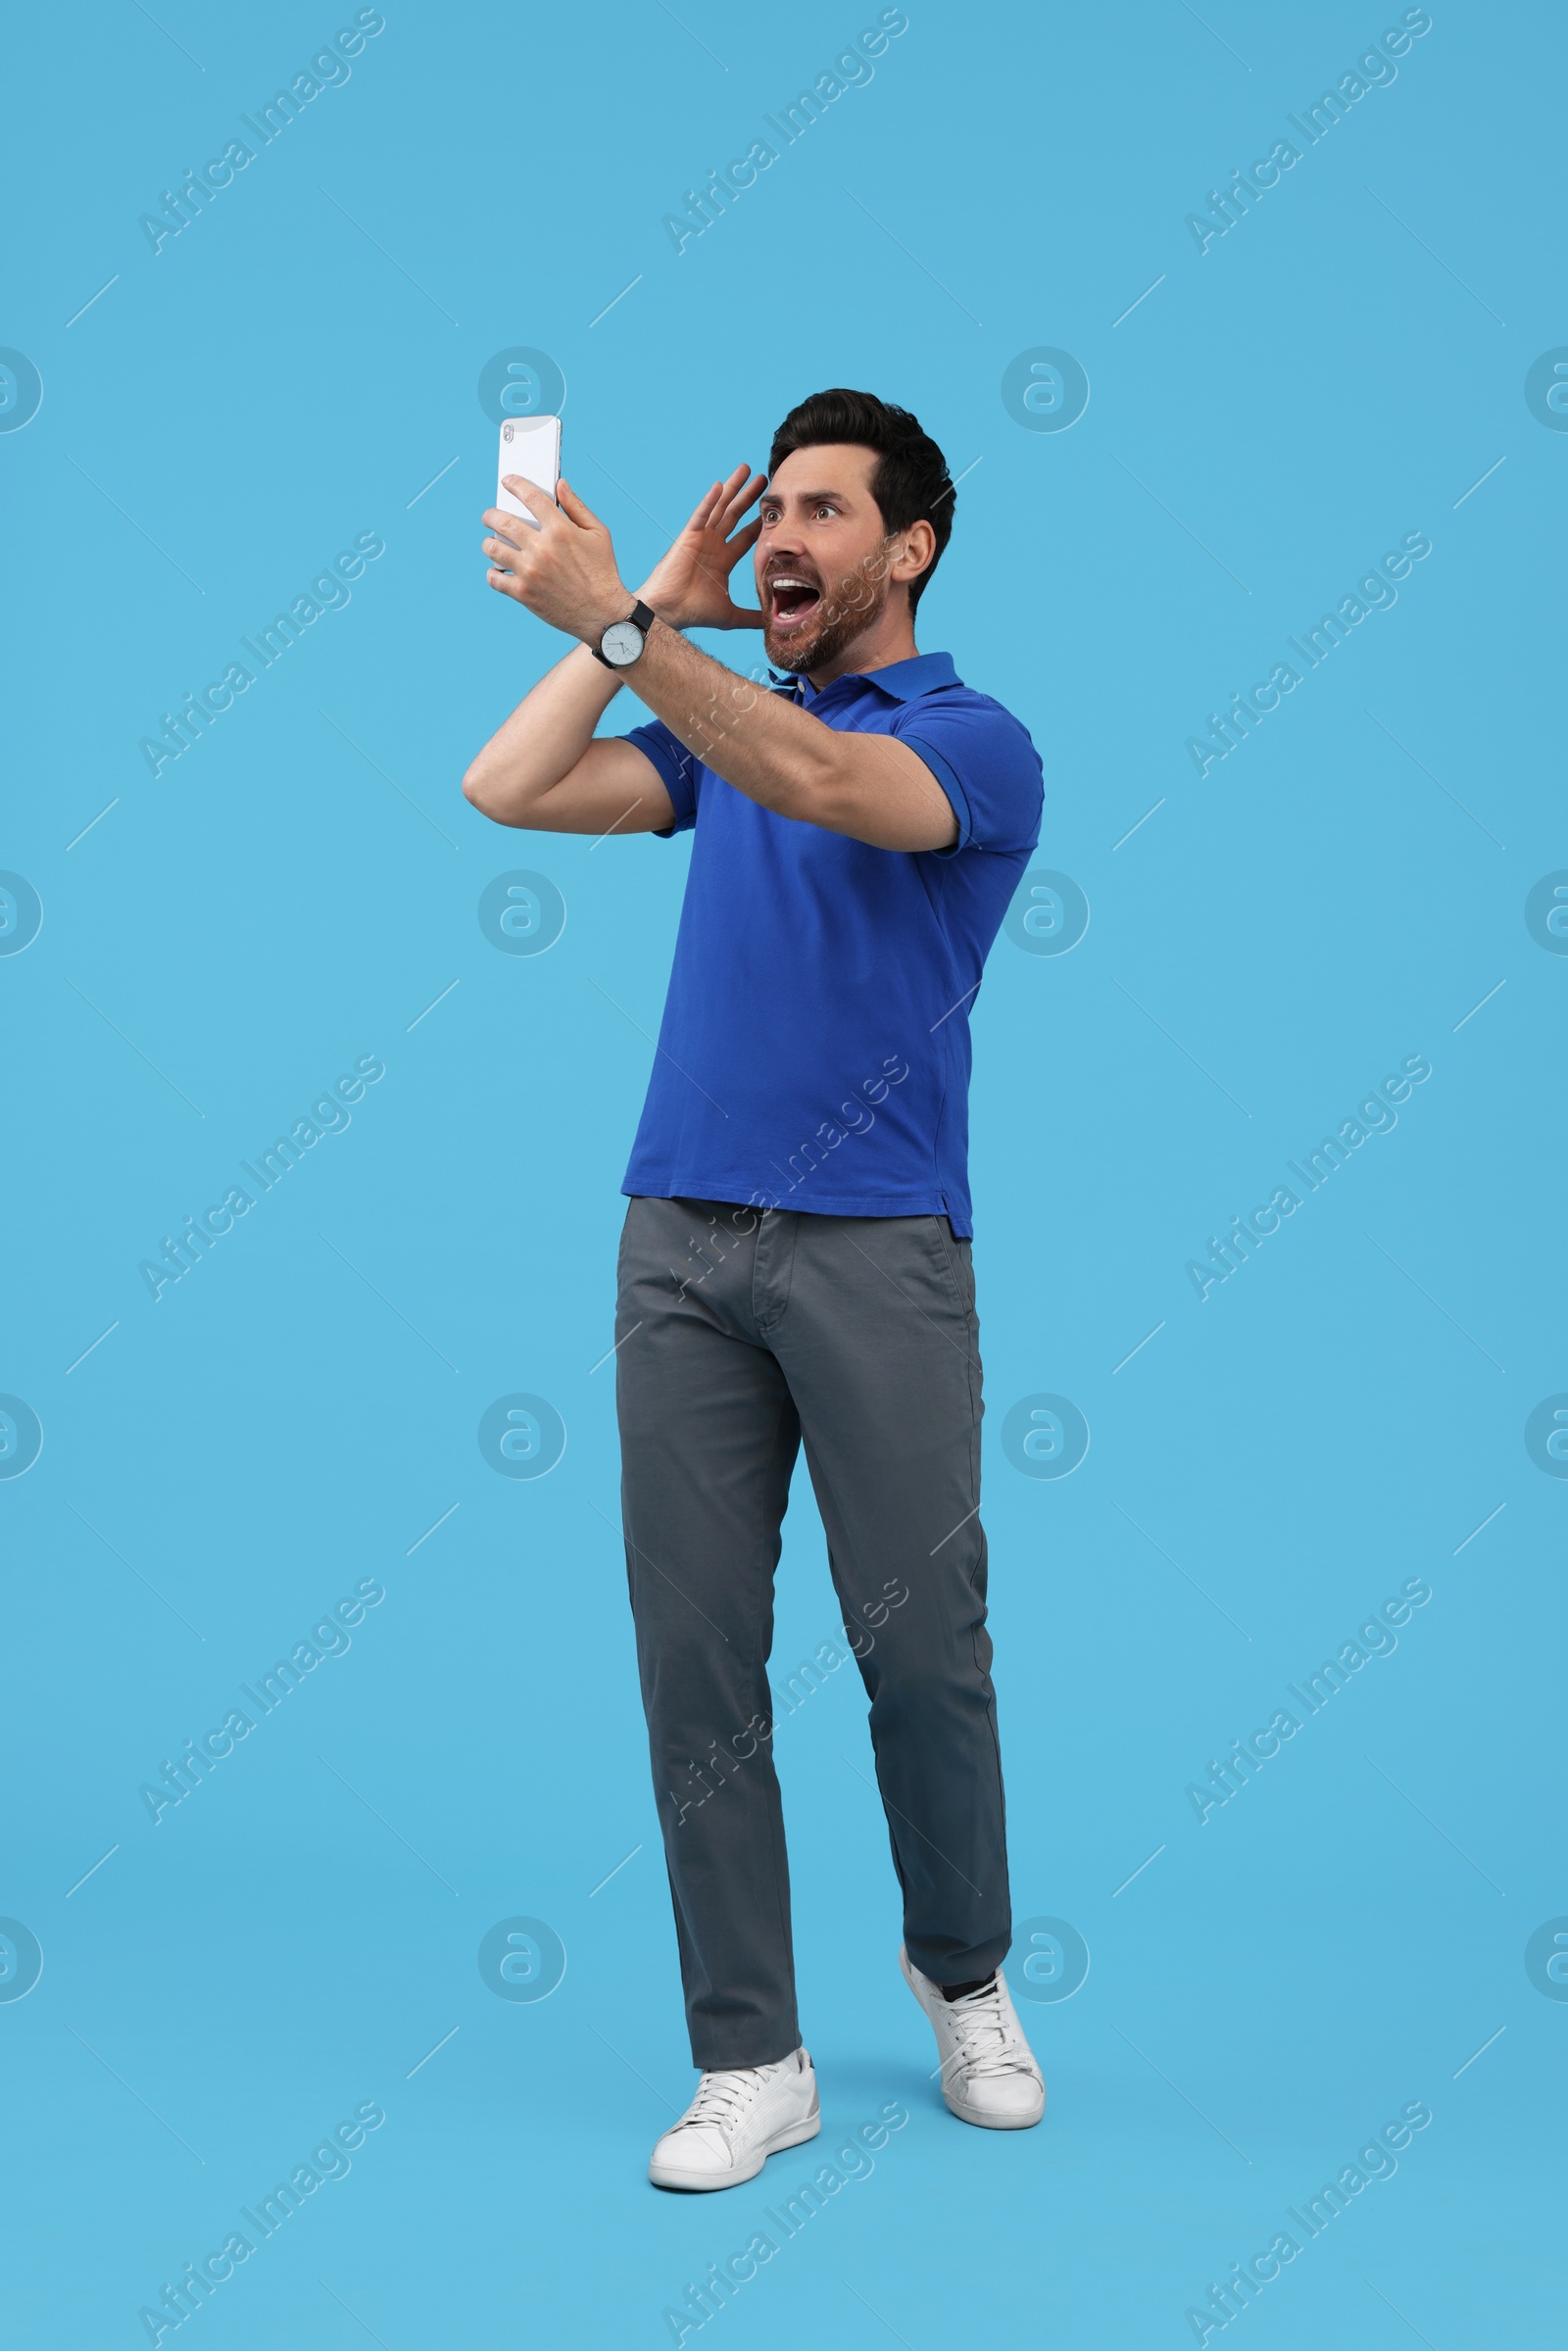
[565,571]
[689,586]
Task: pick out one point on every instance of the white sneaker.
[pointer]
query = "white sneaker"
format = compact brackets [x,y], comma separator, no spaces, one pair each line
[989,2074]
[736,2122]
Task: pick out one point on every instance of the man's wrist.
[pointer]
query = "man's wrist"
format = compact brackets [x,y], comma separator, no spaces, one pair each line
[616,608]
[649,594]
[622,641]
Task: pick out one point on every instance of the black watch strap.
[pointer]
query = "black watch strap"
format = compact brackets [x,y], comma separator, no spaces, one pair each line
[641,618]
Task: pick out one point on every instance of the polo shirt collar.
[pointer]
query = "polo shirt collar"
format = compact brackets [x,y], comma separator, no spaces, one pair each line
[900,681]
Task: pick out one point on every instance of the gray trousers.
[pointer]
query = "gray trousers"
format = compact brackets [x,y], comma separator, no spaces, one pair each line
[740,1332]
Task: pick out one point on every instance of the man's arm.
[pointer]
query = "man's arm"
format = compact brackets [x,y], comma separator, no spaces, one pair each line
[543,769]
[868,786]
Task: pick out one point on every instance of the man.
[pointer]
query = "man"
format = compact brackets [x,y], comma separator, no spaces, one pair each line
[794,1263]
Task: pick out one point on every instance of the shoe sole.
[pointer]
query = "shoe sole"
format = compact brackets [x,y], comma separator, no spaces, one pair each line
[981,2122]
[702,2182]
[994,2122]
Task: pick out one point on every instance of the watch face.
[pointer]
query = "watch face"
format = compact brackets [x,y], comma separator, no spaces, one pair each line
[621,643]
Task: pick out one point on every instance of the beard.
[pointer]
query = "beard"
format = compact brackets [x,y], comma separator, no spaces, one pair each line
[837,623]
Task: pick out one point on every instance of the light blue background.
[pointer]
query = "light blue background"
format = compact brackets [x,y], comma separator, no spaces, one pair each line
[294,1415]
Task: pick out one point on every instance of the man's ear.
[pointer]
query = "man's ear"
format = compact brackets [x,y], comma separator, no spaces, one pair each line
[917,554]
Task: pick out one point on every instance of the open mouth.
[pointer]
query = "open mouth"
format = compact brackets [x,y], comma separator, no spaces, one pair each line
[791,600]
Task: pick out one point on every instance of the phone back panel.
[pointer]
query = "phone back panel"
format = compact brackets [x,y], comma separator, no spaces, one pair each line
[529,446]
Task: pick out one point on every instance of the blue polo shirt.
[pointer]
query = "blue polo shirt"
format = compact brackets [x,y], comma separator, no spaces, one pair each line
[814,1051]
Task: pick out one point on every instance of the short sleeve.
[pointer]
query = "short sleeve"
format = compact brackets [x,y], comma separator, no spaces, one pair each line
[986,764]
[677,772]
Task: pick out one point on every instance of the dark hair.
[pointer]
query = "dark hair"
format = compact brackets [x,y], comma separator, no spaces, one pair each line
[911,483]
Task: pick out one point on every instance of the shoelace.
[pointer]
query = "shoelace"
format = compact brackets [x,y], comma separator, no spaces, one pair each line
[723,2100]
[988,2041]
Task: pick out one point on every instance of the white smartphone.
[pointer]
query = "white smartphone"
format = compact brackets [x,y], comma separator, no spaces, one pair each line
[529,446]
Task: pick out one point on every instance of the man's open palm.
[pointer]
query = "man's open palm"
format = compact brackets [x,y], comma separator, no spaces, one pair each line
[689,586]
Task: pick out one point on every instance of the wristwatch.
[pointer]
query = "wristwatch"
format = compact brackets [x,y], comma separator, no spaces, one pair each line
[623,640]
